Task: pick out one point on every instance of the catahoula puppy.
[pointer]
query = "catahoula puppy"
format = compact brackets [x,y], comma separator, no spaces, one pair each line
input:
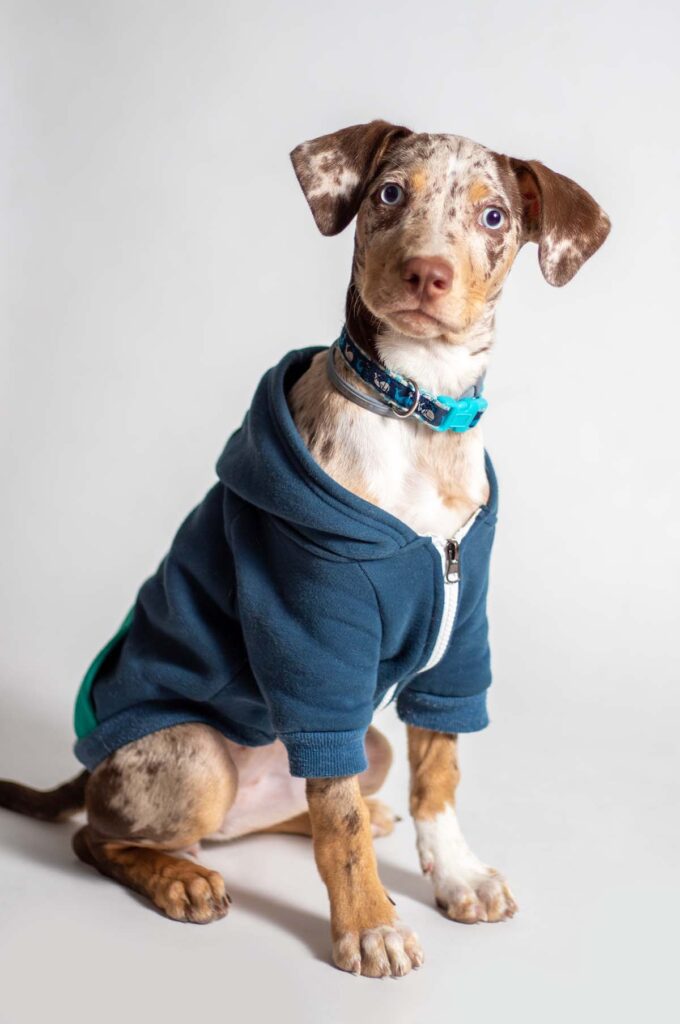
[340,562]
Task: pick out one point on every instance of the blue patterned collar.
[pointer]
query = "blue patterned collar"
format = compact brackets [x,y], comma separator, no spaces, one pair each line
[401,397]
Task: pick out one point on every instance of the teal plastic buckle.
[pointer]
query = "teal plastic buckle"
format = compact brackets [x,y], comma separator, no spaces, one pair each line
[463,414]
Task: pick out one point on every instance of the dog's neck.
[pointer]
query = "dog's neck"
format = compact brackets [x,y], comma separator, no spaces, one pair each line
[439,366]
[432,481]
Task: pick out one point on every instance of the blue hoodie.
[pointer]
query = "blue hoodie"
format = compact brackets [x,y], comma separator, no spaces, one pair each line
[288,607]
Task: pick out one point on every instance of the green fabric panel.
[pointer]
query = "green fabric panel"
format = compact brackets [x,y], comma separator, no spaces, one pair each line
[84,718]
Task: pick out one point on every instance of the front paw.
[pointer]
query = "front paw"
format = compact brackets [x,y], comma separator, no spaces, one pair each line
[481,896]
[465,888]
[388,950]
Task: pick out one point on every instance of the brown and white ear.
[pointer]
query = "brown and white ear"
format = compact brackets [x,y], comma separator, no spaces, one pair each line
[562,217]
[334,170]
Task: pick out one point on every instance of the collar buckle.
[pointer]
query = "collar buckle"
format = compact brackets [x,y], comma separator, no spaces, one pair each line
[463,413]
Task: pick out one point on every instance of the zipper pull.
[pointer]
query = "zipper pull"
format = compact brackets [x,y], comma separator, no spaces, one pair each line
[452,569]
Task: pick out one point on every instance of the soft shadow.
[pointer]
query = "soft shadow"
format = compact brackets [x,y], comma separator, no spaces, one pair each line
[35,743]
[312,929]
[47,843]
[408,883]
[31,742]
[50,844]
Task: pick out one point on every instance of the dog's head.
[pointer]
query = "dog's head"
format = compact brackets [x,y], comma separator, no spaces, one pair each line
[440,220]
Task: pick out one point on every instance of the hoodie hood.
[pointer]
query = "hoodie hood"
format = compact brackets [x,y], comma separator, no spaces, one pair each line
[266,464]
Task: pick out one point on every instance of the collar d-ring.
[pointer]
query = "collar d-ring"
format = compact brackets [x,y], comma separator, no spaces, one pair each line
[412,408]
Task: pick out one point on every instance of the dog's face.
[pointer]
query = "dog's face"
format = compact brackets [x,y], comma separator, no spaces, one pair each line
[436,235]
[440,220]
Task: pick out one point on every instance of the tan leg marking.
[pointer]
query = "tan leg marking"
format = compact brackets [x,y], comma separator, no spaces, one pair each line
[367,936]
[433,761]
[382,818]
[165,792]
[465,888]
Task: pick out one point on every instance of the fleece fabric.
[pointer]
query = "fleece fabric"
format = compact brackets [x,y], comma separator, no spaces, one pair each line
[288,607]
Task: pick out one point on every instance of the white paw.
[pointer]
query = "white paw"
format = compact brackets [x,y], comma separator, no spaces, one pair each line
[466,889]
[382,952]
[484,896]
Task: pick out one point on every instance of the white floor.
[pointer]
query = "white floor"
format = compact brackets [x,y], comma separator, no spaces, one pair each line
[585,839]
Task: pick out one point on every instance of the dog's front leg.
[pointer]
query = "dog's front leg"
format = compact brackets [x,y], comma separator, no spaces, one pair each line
[368,937]
[465,888]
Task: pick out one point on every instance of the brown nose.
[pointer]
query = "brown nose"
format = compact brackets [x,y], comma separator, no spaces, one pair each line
[427,277]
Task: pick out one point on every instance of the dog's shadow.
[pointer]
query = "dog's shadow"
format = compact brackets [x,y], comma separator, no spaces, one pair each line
[311,929]
[402,882]
[34,750]
[49,844]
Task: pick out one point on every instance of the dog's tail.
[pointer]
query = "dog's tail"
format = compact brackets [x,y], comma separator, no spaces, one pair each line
[48,804]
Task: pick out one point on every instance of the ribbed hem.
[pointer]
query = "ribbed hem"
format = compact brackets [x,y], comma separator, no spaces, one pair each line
[443,714]
[322,755]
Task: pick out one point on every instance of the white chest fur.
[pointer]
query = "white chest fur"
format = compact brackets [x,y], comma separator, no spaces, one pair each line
[432,491]
[431,481]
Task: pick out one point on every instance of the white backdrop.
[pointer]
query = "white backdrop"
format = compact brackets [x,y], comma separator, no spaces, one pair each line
[159,257]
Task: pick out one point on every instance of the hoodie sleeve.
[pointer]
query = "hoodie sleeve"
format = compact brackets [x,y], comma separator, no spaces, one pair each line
[451,696]
[312,631]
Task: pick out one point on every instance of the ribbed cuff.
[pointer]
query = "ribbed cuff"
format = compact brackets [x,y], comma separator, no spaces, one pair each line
[322,755]
[443,714]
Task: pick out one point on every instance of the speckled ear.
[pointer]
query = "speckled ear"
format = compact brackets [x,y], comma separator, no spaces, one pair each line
[563,218]
[334,170]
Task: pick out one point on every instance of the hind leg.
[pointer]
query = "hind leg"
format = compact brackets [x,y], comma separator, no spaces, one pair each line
[159,794]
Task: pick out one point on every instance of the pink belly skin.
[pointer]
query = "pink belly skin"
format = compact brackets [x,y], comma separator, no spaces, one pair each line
[267,792]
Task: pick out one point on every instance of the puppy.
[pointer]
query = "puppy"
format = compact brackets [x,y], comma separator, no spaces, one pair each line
[339,563]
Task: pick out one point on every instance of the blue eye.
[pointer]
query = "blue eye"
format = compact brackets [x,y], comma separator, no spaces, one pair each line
[492,217]
[391,194]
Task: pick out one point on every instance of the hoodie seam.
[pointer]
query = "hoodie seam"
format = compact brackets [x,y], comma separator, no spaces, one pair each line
[378,609]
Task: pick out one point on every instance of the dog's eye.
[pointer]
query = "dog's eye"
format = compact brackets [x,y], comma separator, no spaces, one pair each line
[492,217]
[391,194]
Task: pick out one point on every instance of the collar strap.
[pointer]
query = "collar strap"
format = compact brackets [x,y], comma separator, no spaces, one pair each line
[400,397]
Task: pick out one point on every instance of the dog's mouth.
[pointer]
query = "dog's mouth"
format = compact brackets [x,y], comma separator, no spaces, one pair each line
[417,320]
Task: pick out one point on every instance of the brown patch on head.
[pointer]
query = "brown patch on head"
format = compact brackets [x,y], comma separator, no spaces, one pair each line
[434,771]
[418,180]
[478,191]
[334,170]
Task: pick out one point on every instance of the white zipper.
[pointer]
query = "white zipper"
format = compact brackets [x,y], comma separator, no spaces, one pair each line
[449,550]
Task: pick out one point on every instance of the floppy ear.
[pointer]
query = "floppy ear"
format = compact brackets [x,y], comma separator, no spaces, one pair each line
[562,217]
[334,170]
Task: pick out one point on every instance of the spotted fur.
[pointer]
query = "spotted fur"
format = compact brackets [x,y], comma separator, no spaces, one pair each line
[161,795]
